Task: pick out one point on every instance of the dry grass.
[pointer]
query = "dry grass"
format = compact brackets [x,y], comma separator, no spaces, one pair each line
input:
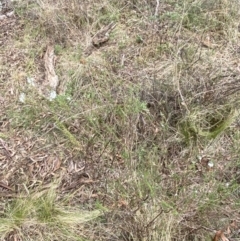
[41,216]
[143,134]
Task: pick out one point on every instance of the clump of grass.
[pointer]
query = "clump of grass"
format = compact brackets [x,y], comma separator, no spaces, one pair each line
[60,20]
[207,15]
[206,124]
[68,135]
[43,214]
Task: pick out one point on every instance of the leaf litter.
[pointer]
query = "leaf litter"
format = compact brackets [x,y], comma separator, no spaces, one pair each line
[29,160]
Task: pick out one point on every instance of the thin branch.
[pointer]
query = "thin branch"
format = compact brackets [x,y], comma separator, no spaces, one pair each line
[156,9]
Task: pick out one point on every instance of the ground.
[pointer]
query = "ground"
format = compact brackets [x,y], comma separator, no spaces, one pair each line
[119,120]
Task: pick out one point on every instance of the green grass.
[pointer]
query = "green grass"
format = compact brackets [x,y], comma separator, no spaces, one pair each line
[43,215]
[134,127]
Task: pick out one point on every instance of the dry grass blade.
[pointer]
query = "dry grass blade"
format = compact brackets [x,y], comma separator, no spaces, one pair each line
[133,107]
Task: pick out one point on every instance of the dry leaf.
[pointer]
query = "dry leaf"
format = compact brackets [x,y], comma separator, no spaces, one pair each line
[223,237]
[207,44]
[220,236]
[56,164]
[233,225]
[122,203]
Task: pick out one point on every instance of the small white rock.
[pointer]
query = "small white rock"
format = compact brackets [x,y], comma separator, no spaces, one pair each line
[10,14]
[210,164]
[52,95]
[31,81]
[22,97]
[2,17]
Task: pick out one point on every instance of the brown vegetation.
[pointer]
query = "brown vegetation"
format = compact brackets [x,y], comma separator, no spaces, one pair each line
[139,141]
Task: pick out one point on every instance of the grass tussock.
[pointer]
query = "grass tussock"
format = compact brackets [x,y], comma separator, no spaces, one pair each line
[143,131]
[42,216]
